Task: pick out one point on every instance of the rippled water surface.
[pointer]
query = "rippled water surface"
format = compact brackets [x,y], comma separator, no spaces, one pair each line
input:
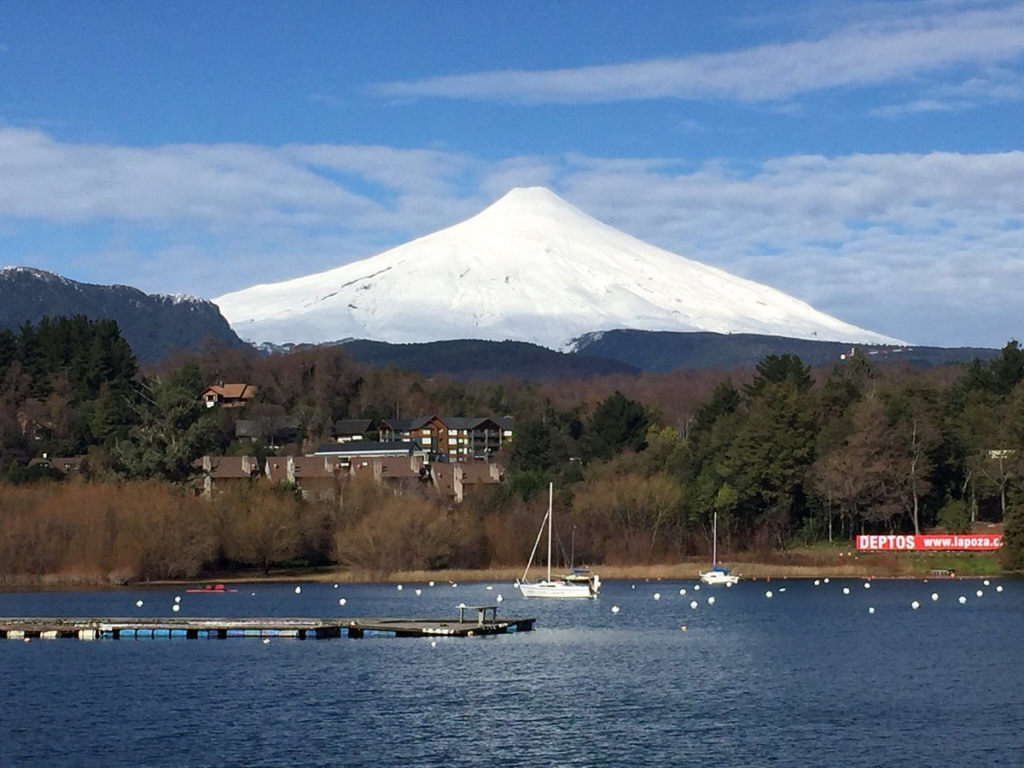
[808,677]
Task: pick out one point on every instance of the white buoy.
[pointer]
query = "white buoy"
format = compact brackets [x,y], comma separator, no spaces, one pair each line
[826,581]
[418,592]
[430,584]
[768,594]
[175,607]
[693,604]
[846,590]
[177,598]
[633,587]
[657,595]
[682,591]
[871,609]
[335,586]
[985,582]
[867,585]
[915,605]
[782,590]
[400,587]
[138,603]
[817,582]
[298,590]
[935,597]
[999,588]
[615,609]
[266,641]
[696,587]
[488,588]
[711,600]
[454,584]
[728,584]
[342,601]
[498,599]
[979,593]
[254,594]
[962,600]
[433,643]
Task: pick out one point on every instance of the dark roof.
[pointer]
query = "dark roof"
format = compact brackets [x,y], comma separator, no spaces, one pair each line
[463,422]
[451,422]
[398,425]
[63,463]
[368,448]
[276,428]
[353,426]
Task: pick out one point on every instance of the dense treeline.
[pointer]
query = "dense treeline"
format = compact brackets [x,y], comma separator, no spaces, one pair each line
[785,455]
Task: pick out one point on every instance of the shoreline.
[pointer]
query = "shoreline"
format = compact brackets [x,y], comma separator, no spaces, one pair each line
[789,566]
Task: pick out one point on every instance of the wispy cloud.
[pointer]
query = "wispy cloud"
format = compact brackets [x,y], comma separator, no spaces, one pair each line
[863,54]
[904,244]
[992,85]
[217,185]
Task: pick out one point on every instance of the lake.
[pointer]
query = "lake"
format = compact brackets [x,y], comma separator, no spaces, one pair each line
[807,677]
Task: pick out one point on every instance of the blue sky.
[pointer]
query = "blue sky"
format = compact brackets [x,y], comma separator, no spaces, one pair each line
[863,156]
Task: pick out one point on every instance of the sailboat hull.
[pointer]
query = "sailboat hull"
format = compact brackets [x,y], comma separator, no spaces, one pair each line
[557,589]
[716,577]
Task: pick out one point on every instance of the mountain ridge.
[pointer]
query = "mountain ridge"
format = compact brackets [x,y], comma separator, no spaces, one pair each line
[154,325]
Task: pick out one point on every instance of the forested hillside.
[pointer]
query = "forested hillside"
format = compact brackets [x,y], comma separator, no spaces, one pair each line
[154,325]
[785,454]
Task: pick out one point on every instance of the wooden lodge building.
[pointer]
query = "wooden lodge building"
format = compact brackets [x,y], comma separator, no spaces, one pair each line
[451,438]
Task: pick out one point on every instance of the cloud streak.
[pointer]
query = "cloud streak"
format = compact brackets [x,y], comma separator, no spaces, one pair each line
[864,54]
[928,247]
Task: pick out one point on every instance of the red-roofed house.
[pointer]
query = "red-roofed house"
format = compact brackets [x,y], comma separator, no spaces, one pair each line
[228,395]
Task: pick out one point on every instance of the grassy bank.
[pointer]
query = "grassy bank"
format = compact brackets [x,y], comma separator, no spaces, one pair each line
[807,563]
[797,564]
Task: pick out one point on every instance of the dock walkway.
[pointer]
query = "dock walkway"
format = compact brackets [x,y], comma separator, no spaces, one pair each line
[223,628]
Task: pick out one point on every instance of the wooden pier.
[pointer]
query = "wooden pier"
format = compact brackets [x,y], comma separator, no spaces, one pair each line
[485,623]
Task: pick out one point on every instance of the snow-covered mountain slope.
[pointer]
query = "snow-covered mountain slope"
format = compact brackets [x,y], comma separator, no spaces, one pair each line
[532,268]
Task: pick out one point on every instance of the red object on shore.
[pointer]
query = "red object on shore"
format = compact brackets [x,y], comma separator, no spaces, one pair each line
[211,589]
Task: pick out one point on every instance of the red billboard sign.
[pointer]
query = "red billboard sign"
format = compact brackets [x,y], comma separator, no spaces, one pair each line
[936,542]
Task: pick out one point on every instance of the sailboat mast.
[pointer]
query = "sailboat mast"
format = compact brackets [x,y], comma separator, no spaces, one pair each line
[714,540]
[551,503]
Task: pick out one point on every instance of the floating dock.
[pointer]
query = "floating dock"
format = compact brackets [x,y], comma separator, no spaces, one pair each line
[485,623]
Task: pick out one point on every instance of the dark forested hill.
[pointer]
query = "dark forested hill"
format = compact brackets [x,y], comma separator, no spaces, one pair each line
[474,359]
[663,351]
[154,325]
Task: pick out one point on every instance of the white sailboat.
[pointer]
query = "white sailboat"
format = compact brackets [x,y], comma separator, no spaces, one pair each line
[717,574]
[581,584]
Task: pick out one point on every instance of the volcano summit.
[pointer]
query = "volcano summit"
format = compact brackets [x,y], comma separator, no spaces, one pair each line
[531,267]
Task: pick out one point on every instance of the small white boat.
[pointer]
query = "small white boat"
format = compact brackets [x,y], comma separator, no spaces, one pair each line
[717,575]
[580,583]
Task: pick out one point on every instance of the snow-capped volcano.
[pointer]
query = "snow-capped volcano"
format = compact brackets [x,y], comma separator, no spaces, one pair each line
[531,267]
